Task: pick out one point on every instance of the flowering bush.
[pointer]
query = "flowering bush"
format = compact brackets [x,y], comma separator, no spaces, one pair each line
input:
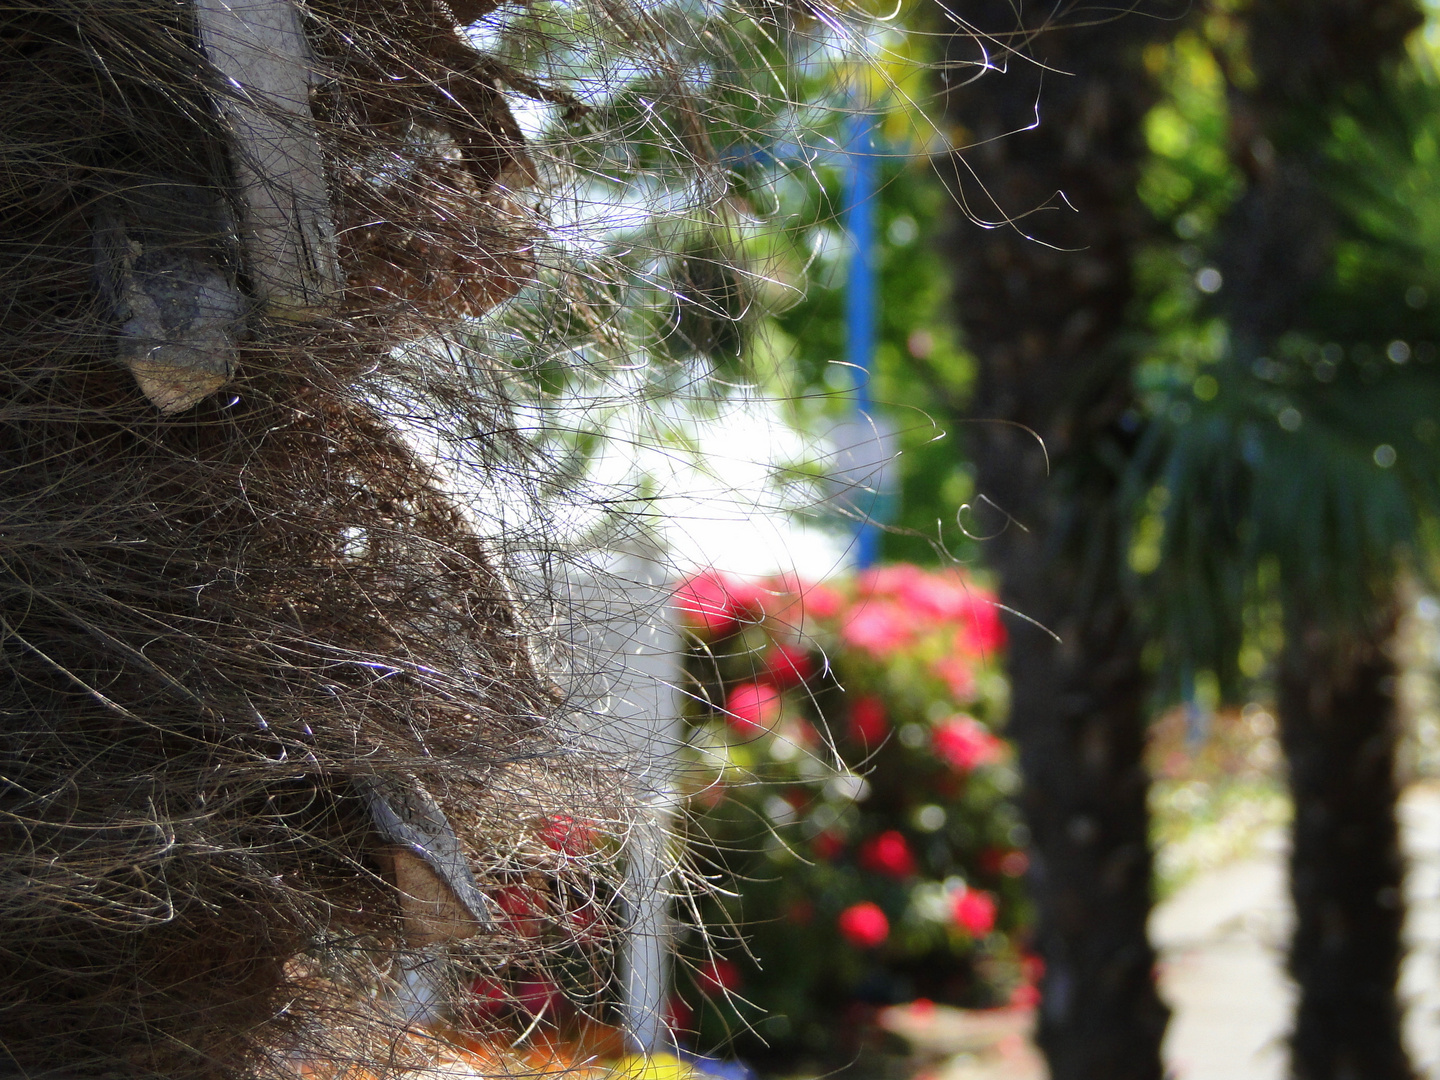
[847,781]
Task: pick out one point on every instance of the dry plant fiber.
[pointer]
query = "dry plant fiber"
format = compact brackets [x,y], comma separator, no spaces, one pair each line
[233,598]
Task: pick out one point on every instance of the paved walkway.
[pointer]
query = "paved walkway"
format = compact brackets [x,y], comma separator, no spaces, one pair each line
[1222,940]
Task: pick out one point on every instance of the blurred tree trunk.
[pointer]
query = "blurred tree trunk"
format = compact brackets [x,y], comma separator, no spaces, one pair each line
[1339,728]
[1337,706]
[1042,303]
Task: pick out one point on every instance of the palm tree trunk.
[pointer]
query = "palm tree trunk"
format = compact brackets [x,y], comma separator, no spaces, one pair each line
[1042,305]
[1339,726]
[1336,693]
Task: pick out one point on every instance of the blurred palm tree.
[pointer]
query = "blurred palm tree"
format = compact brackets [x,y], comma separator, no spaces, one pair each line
[1302,465]
[1041,298]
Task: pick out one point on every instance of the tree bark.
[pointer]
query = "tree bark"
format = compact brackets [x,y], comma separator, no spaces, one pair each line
[1042,303]
[1336,694]
[1339,726]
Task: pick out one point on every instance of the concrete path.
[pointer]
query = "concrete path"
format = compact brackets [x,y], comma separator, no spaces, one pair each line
[1222,939]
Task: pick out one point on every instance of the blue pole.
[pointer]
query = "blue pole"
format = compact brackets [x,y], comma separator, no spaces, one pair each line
[861,295]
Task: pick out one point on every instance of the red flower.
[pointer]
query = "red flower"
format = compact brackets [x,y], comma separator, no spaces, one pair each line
[888,854]
[752,708]
[863,925]
[798,797]
[788,665]
[485,997]
[716,604]
[1005,861]
[1024,996]
[828,845]
[718,976]
[802,733]
[964,743]
[974,912]
[868,722]
[679,1016]
[564,834]
[586,922]
[1032,968]
[538,995]
[524,908]
[800,912]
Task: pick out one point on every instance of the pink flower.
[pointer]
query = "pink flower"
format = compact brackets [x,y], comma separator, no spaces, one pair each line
[752,708]
[715,604]
[959,676]
[944,597]
[879,628]
[981,631]
[974,912]
[895,580]
[863,925]
[868,722]
[930,596]
[788,665]
[820,602]
[964,743]
[888,854]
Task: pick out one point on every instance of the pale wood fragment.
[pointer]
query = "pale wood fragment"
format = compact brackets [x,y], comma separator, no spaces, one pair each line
[259,50]
[432,914]
[439,898]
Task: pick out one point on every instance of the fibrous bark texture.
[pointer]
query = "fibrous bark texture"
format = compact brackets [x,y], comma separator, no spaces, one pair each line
[1339,727]
[1337,712]
[234,624]
[1042,302]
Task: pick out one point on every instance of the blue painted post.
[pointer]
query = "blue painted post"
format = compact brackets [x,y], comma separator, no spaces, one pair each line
[861,297]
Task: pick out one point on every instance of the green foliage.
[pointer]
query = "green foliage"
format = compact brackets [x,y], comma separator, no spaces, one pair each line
[915,347]
[1189,179]
[918,374]
[739,279]
[1316,452]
